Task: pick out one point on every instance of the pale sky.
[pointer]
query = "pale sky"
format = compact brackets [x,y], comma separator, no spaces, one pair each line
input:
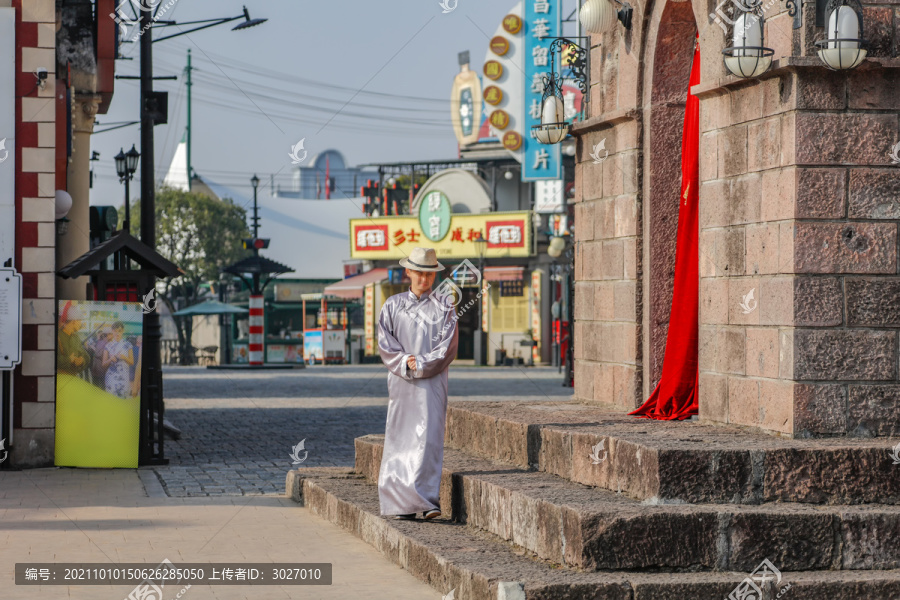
[258,91]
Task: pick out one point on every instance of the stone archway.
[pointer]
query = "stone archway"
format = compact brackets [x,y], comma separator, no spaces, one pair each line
[666,71]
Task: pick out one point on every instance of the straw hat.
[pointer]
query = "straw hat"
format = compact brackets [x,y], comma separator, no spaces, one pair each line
[422,259]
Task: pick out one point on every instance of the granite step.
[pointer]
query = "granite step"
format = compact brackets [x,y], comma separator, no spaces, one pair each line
[674,461]
[591,528]
[476,565]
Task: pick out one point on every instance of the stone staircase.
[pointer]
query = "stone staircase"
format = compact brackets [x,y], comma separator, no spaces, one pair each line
[661,511]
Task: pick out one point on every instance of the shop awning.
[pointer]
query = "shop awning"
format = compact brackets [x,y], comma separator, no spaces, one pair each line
[504,273]
[353,287]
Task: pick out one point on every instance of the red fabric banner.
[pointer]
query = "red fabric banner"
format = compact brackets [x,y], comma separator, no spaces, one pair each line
[675,397]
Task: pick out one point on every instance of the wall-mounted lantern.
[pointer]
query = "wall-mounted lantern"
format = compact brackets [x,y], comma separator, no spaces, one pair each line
[554,127]
[600,16]
[844,47]
[748,56]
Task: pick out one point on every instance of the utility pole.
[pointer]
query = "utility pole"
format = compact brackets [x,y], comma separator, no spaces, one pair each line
[187,71]
[151,380]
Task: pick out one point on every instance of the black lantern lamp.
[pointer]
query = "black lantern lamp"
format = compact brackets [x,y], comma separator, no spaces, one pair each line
[131,160]
[126,165]
[845,47]
[748,55]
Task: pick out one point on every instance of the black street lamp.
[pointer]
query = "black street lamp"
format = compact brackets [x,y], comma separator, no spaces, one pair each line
[126,165]
[254,181]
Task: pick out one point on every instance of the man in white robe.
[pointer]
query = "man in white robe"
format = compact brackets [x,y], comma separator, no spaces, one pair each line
[417,339]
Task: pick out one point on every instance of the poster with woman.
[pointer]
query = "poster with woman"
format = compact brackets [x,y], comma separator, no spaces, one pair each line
[98,383]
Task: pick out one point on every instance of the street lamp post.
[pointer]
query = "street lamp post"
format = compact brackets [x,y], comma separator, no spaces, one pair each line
[126,165]
[151,378]
[254,181]
[480,349]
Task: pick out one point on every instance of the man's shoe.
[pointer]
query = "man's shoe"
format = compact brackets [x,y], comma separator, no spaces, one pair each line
[409,517]
[430,514]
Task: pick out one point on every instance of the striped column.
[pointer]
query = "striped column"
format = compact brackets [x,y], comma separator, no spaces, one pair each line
[256,330]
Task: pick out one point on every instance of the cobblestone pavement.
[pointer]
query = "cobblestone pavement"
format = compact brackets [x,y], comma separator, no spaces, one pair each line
[239,427]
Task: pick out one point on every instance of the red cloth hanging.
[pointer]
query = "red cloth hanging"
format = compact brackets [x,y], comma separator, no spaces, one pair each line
[675,397]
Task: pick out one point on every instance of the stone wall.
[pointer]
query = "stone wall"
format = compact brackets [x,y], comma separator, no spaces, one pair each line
[34,381]
[798,250]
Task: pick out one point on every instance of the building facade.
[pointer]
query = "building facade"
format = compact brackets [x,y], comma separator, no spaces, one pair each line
[59,76]
[797,237]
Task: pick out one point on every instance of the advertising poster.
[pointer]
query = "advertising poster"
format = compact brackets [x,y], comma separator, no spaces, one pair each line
[98,383]
[240,354]
[312,346]
[284,353]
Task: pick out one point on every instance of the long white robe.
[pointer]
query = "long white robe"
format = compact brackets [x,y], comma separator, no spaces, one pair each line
[410,476]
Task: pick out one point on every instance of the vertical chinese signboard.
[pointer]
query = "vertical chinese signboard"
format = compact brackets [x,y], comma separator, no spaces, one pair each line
[536,315]
[542,23]
[369,312]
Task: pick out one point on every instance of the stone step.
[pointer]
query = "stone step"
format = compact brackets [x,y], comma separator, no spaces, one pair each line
[478,566]
[590,528]
[675,461]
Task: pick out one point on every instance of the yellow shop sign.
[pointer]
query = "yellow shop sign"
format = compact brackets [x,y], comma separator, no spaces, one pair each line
[507,234]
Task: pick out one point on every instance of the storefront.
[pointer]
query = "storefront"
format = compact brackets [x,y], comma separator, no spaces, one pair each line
[506,299]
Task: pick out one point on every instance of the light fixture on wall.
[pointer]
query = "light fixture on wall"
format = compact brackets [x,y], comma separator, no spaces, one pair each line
[554,127]
[748,55]
[844,46]
[600,16]
[63,204]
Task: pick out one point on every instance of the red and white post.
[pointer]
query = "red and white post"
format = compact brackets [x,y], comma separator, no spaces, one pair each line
[256,330]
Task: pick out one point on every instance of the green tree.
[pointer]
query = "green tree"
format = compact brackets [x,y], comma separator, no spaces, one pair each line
[201,235]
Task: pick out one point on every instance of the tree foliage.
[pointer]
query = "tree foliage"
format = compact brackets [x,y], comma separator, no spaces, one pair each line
[201,235]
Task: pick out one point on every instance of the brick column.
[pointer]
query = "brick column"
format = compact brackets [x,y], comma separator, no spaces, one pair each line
[34,380]
[257,325]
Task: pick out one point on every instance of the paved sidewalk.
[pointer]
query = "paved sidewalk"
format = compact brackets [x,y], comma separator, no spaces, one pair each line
[106,516]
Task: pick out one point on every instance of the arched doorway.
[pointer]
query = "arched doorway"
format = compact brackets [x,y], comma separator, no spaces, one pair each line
[666,72]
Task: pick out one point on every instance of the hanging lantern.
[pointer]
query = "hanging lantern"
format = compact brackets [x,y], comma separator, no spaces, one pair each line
[844,48]
[553,128]
[748,56]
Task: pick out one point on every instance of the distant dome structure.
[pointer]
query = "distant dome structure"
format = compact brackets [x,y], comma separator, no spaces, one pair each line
[325,175]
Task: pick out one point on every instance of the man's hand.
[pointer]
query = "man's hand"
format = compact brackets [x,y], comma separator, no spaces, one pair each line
[411,363]
[76,360]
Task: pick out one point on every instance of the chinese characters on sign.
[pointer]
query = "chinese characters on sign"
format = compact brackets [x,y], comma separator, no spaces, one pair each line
[541,25]
[507,234]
